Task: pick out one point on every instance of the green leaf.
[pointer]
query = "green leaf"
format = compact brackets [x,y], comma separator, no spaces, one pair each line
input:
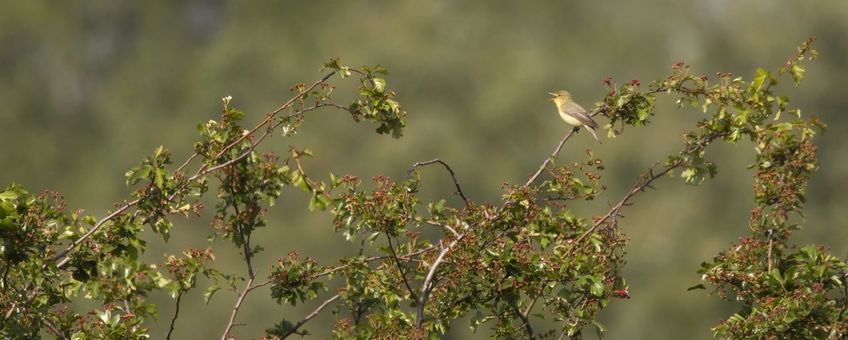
[597,288]
[759,79]
[439,206]
[797,73]
[159,178]
[299,181]
[318,202]
[209,292]
[379,84]
[233,115]
[9,195]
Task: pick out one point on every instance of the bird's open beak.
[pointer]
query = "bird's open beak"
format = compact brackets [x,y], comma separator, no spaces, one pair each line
[552,94]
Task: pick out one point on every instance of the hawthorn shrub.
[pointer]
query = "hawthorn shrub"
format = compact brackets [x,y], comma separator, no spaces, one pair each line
[504,264]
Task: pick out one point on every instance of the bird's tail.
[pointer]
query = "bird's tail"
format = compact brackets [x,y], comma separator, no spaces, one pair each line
[593,132]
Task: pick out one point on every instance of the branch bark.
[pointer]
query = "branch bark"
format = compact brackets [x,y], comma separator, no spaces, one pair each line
[452,174]
[314,313]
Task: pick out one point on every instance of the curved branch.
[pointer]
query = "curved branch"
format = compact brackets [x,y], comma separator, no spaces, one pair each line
[452,174]
[176,315]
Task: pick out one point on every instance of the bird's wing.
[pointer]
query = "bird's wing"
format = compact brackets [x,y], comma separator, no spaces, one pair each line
[578,112]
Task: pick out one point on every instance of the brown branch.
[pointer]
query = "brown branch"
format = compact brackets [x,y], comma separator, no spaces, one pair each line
[176,314]
[428,285]
[770,245]
[452,174]
[400,268]
[248,258]
[641,184]
[64,256]
[314,313]
[527,327]
[53,329]
[551,157]
[447,227]
[532,304]
[236,307]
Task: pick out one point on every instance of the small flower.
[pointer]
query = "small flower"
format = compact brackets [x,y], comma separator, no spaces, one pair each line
[227,100]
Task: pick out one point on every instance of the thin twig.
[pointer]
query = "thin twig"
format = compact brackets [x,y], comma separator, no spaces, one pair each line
[176,314]
[248,258]
[770,244]
[437,224]
[641,184]
[376,258]
[551,157]
[452,174]
[400,268]
[65,256]
[644,181]
[236,307]
[314,313]
[187,161]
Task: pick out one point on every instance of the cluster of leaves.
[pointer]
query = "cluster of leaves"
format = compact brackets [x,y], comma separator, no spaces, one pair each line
[424,265]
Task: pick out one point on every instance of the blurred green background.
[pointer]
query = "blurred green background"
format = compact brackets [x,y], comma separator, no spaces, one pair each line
[89,88]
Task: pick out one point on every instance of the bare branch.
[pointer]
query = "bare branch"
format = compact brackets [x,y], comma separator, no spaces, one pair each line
[248,258]
[770,246]
[400,268]
[311,315]
[643,182]
[176,314]
[551,157]
[437,224]
[452,174]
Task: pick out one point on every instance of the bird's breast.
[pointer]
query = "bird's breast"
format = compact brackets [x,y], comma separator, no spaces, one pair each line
[569,119]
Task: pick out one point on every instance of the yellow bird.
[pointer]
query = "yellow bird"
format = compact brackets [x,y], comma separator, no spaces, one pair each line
[572,113]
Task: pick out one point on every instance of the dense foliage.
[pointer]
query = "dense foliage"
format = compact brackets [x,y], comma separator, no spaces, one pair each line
[503,264]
